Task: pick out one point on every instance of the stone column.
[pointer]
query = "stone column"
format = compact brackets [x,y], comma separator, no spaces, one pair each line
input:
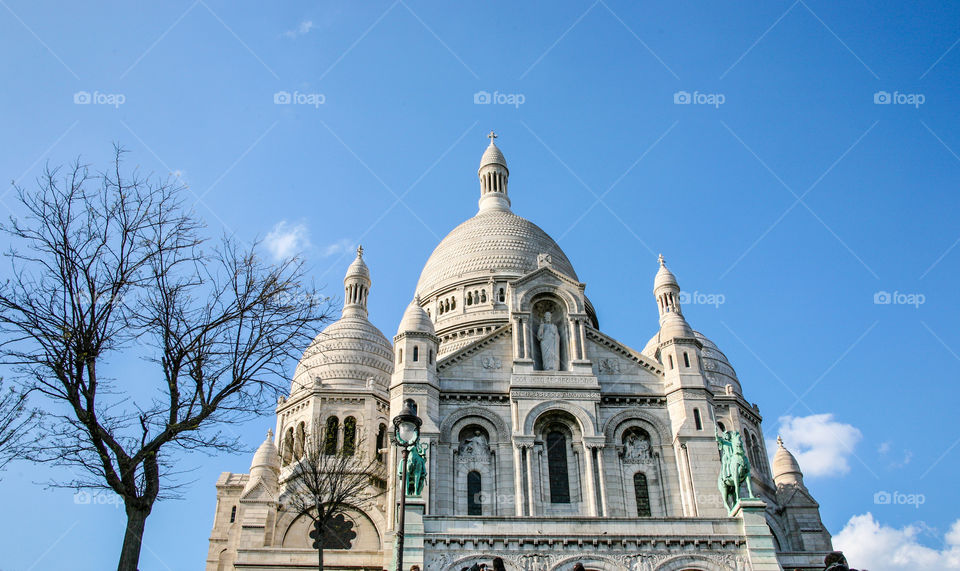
[518,495]
[574,345]
[392,482]
[581,330]
[528,450]
[603,482]
[590,481]
[517,341]
[527,339]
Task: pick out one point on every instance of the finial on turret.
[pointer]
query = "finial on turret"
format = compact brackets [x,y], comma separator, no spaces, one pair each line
[269,434]
[660,260]
[779,441]
[492,136]
[360,251]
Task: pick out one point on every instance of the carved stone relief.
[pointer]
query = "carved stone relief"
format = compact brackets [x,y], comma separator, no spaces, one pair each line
[609,366]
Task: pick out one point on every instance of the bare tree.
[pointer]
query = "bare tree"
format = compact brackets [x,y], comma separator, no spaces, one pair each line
[16,421]
[108,267]
[328,481]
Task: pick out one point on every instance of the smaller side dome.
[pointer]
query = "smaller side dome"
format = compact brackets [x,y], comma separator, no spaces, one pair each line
[266,455]
[786,469]
[416,319]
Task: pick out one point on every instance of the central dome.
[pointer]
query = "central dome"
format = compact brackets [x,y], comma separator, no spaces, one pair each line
[494,242]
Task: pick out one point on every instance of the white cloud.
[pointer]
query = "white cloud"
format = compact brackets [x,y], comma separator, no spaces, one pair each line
[286,240]
[869,545]
[301,30]
[884,448]
[821,444]
[339,247]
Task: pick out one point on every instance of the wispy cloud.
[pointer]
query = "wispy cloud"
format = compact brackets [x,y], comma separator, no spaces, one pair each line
[884,450]
[301,30]
[286,240]
[869,545]
[341,246]
[821,444]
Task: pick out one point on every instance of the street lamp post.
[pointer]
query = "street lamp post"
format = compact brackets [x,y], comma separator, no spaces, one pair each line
[406,430]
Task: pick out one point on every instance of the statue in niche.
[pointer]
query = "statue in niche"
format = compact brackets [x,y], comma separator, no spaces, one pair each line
[549,339]
[474,447]
[636,447]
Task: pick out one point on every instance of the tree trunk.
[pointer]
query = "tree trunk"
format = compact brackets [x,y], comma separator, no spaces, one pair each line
[132,539]
[320,553]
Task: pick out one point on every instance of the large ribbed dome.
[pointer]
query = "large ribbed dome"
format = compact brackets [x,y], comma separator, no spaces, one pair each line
[347,353]
[494,242]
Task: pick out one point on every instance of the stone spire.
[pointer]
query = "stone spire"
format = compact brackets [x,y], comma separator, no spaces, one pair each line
[356,287]
[493,174]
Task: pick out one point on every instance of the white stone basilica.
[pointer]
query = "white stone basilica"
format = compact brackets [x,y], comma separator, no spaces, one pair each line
[548,442]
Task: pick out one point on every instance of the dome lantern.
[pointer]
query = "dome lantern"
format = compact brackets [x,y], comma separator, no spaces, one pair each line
[356,286]
[493,174]
[666,290]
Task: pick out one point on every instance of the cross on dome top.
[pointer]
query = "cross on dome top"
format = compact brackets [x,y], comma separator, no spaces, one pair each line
[360,251]
[492,136]
[660,260]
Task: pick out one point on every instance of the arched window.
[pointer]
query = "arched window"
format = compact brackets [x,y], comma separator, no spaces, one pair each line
[299,441]
[381,441]
[474,489]
[686,359]
[469,298]
[453,303]
[500,296]
[557,464]
[233,514]
[431,356]
[670,358]
[349,435]
[331,437]
[483,296]
[697,421]
[416,353]
[643,494]
[288,446]
[400,356]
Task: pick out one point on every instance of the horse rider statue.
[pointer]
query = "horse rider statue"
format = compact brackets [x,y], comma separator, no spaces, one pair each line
[734,468]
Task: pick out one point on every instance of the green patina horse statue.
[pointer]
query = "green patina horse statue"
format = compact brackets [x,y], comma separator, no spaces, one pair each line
[734,468]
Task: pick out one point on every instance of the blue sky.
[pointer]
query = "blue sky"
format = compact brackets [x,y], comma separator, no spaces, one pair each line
[786,188]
